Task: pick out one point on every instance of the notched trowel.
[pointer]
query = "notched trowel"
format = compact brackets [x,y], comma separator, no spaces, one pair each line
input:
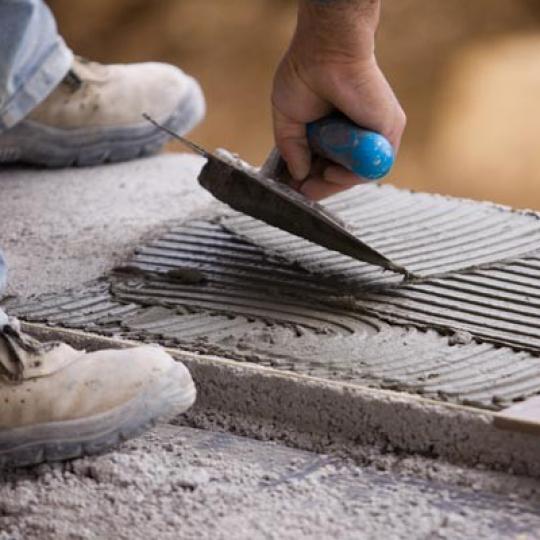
[259,193]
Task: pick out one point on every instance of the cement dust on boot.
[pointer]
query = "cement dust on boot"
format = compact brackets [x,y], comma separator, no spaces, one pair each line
[59,403]
[95,115]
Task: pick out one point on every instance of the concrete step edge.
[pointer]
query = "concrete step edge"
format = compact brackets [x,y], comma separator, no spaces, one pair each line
[326,416]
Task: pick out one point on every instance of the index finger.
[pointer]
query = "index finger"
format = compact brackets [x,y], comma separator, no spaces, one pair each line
[333,179]
[291,141]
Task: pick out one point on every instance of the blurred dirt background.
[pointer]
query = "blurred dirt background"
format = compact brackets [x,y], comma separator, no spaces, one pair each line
[467,73]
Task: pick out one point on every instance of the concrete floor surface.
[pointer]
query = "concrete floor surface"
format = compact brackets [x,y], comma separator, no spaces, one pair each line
[178,482]
[62,228]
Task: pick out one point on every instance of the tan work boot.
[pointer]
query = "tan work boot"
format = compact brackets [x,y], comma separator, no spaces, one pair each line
[58,403]
[95,115]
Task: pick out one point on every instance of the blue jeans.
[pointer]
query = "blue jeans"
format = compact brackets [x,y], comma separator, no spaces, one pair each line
[33,60]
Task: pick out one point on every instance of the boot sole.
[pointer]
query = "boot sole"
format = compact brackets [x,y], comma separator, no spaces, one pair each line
[31,143]
[59,441]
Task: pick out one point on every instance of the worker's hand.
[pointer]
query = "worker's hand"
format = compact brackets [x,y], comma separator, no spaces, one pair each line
[331,65]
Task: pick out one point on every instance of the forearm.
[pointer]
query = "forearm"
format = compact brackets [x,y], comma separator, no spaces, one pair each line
[340,27]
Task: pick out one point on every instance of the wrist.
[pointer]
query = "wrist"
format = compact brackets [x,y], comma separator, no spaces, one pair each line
[342,28]
[366,10]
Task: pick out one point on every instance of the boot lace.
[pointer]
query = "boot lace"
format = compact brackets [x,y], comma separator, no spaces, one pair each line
[72,80]
[20,348]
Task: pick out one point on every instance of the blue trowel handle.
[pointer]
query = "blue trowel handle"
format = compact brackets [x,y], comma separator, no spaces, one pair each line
[365,153]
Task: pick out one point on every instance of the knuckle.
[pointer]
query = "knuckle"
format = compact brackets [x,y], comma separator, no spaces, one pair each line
[400,120]
[402,117]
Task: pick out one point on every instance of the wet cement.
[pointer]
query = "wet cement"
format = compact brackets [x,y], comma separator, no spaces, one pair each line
[470,337]
[480,263]
[429,234]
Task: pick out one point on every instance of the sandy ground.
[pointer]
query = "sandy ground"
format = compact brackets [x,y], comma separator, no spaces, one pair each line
[186,483]
[62,228]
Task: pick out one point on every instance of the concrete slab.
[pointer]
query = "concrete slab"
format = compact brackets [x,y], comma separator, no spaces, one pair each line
[324,415]
[464,333]
[61,229]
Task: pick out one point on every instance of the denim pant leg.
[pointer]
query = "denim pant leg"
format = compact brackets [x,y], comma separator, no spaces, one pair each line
[3,276]
[33,58]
